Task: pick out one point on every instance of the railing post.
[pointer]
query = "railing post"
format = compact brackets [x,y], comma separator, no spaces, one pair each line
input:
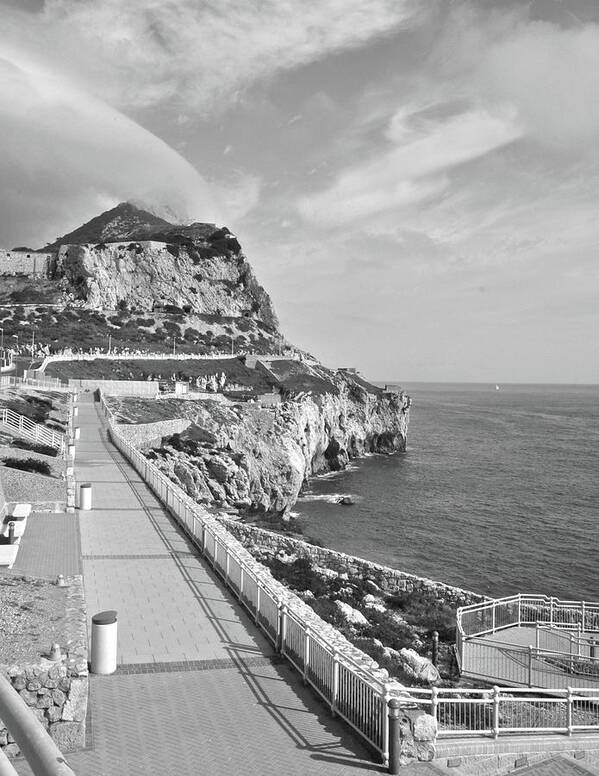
[227,560]
[583,615]
[393,713]
[496,699]
[579,640]
[569,712]
[530,651]
[551,607]
[537,635]
[306,654]
[258,590]
[241,579]
[335,688]
[493,620]
[519,609]
[282,628]
[434,702]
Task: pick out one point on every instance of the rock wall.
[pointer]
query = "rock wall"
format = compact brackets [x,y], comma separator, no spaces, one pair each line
[257,459]
[147,274]
[57,691]
[388,579]
[150,434]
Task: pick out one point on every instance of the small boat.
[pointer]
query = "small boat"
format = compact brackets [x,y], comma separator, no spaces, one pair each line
[496,387]
[346,501]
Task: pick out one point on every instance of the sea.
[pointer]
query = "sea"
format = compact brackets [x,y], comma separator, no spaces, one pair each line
[498,492]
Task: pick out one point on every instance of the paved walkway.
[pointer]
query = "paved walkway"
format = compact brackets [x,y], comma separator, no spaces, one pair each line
[198,689]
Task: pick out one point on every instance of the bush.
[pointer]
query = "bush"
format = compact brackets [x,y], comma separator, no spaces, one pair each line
[392,633]
[28,465]
[23,444]
[425,613]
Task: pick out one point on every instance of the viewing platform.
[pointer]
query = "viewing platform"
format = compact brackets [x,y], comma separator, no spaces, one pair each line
[530,641]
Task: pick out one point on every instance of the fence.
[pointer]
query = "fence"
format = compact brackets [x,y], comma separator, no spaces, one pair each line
[347,679]
[563,641]
[34,431]
[498,712]
[47,383]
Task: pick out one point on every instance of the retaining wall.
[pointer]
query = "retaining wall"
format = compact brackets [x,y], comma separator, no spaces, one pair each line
[388,579]
[118,387]
[150,434]
[57,691]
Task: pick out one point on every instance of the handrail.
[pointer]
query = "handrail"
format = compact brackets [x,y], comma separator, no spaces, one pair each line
[40,751]
[464,712]
[353,684]
[35,431]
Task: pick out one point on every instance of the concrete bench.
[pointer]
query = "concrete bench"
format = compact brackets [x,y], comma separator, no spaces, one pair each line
[8,553]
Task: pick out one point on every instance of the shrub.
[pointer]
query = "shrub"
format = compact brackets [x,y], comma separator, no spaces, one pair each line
[392,633]
[425,613]
[28,465]
[23,444]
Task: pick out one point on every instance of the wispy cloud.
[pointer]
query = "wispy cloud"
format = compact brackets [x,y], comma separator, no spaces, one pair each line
[414,168]
[143,52]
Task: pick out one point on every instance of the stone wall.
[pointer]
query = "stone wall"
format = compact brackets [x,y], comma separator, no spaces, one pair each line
[57,690]
[25,263]
[388,579]
[117,387]
[150,434]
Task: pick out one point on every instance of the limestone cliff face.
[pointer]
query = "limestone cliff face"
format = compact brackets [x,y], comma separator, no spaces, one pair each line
[213,279]
[257,459]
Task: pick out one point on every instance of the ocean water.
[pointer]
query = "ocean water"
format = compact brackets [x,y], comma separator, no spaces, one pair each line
[498,492]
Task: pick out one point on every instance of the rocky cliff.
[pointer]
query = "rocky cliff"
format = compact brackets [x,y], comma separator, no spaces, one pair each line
[144,276]
[257,459]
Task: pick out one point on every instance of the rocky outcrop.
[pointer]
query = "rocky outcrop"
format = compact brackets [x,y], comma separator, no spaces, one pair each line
[144,276]
[257,459]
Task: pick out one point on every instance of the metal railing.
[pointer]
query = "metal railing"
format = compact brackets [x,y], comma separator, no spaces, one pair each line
[26,427]
[462,713]
[48,383]
[40,751]
[564,639]
[350,682]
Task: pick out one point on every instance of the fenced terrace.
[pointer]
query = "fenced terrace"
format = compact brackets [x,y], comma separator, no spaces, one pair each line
[530,640]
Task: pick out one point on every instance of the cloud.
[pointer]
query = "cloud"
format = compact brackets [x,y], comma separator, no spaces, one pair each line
[59,145]
[414,168]
[200,54]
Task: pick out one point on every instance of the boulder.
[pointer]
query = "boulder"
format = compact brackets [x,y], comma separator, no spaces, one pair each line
[353,616]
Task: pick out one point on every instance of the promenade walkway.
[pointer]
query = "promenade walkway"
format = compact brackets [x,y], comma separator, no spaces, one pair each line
[198,689]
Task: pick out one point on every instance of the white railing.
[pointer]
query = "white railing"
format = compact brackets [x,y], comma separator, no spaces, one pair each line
[348,680]
[34,431]
[48,383]
[492,713]
[560,635]
[525,610]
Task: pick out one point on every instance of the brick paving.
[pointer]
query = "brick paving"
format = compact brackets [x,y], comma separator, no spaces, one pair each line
[49,546]
[198,689]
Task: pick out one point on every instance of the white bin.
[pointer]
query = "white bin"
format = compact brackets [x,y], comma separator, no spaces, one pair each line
[104,643]
[71,451]
[75,411]
[77,432]
[85,495]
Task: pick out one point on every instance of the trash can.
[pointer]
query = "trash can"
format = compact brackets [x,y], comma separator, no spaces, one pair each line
[76,432]
[85,495]
[104,642]
[71,451]
[75,411]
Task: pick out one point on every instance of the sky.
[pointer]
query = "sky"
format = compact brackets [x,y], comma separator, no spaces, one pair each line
[415,182]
